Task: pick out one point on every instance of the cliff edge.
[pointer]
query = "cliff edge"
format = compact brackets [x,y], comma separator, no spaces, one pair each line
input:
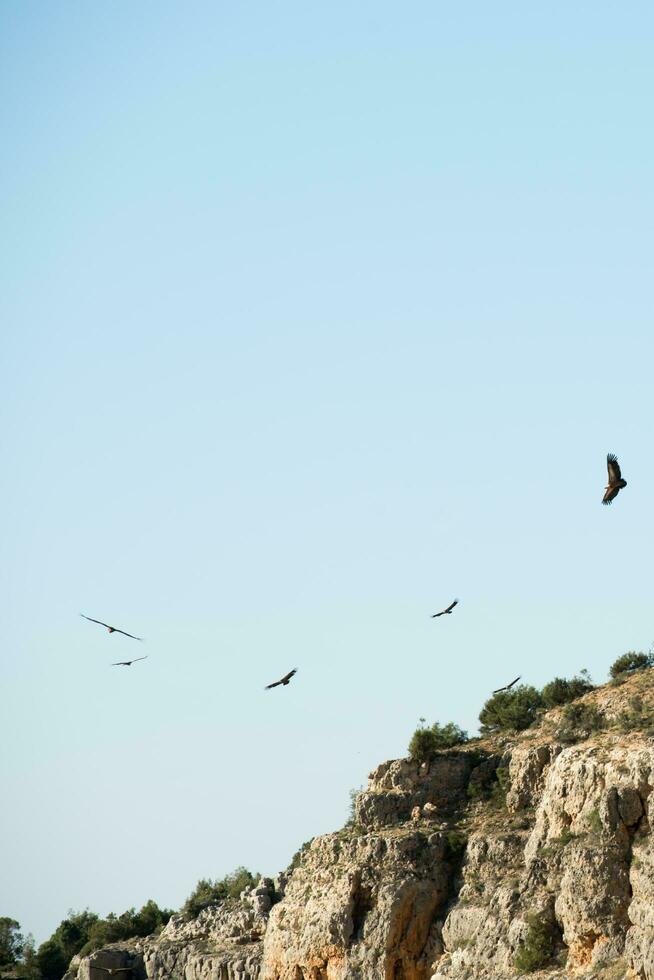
[507,855]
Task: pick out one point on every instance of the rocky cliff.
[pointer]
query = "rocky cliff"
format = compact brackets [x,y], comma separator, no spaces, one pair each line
[536,846]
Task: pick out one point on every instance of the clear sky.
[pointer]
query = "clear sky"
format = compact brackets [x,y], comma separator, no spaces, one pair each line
[315,316]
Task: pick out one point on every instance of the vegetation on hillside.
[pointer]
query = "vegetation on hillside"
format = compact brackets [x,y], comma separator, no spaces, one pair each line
[520,707]
[209,892]
[561,691]
[11,941]
[538,947]
[516,710]
[425,742]
[84,932]
[631,661]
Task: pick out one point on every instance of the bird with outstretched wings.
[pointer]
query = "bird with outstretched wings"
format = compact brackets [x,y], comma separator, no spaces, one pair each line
[616,483]
[445,612]
[112,629]
[111,970]
[128,663]
[284,680]
[507,686]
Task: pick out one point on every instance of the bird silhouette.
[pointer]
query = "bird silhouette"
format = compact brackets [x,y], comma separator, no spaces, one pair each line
[284,680]
[616,483]
[112,969]
[445,612]
[507,686]
[112,629]
[128,663]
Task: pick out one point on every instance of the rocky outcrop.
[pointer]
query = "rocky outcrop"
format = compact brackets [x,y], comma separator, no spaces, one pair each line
[396,788]
[446,873]
[364,906]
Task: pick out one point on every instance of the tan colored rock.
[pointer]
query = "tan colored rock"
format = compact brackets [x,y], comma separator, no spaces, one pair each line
[395,788]
[363,907]
[395,898]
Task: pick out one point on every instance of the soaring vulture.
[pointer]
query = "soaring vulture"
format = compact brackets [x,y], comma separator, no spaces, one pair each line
[128,663]
[112,629]
[616,483]
[443,612]
[284,680]
[507,686]
[112,969]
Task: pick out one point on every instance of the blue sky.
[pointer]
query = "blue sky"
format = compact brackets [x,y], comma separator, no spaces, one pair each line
[314,318]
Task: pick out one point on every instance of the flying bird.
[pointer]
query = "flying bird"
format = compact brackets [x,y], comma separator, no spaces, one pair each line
[112,629]
[507,686]
[284,680]
[616,483]
[128,663]
[443,612]
[111,970]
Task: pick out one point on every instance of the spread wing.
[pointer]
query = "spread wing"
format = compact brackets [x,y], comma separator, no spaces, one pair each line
[112,970]
[100,623]
[128,663]
[610,494]
[131,635]
[283,680]
[443,611]
[507,686]
[614,469]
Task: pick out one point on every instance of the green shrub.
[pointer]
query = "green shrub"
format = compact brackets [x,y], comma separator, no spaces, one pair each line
[51,960]
[565,837]
[579,721]
[115,928]
[516,709]
[11,941]
[456,842]
[296,860]
[562,691]
[489,781]
[27,968]
[538,947]
[426,742]
[594,822]
[352,815]
[500,786]
[209,892]
[636,717]
[631,661]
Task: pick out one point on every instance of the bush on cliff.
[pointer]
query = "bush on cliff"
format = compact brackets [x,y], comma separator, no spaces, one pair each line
[72,934]
[426,742]
[538,947]
[631,661]
[209,892]
[515,710]
[128,925]
[578,721]
[637,716]
[562,691]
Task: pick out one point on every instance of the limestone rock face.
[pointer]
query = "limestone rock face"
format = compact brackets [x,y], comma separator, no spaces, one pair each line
[448,871]
[362,907]
[396,788]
